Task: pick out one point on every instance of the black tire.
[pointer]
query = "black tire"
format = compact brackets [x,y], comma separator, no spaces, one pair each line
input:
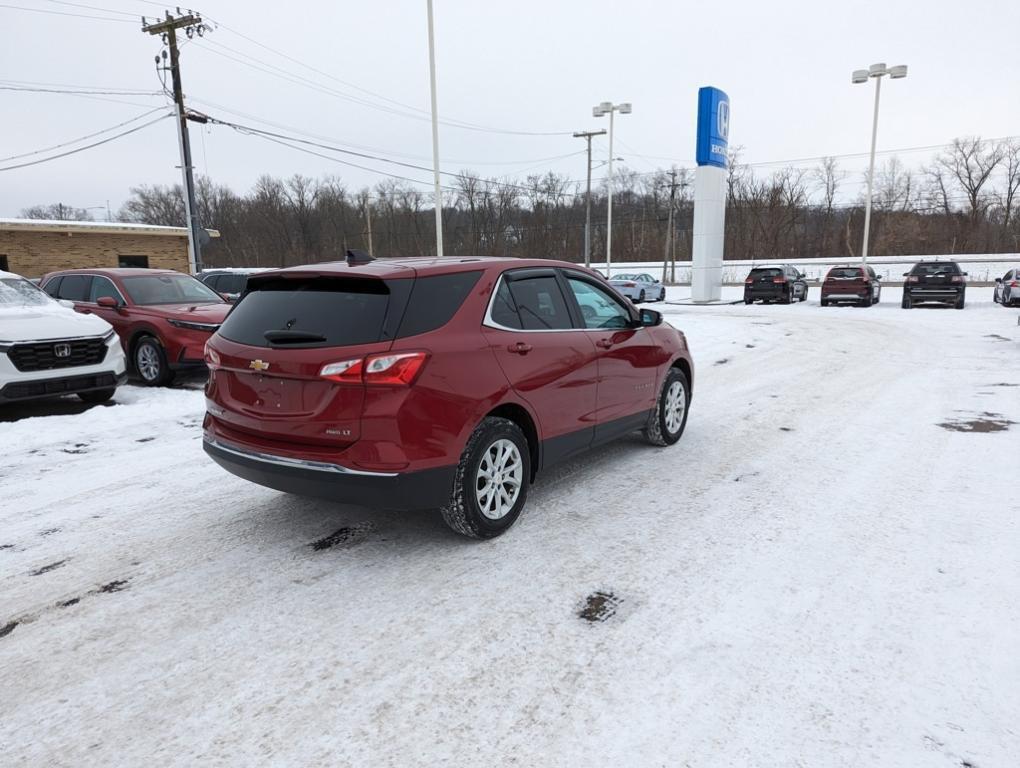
[803,296]
[788,297]
[906,303]
[961,302]
[1006,300]
[824,302]
[662,295]
[657,431]
[641,297]
[866,301]
[150,362]
[97,395]
[878,298]
[748,301]
[463,512]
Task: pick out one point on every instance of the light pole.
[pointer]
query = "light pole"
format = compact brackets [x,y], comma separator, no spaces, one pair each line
[876,71]
[435,136]
[600,110]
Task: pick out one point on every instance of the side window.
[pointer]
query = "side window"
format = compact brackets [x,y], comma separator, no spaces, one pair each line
[434,301]
[53,286]
[212,281]
[102,286]
[133,261]
[504,310]
[75,287]
[599,309]
[230,283]
[540,304]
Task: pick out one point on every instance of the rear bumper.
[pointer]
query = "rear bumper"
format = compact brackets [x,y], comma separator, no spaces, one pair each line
[934,294]
[766,294]
[846,295]
[424,489]
[33,389]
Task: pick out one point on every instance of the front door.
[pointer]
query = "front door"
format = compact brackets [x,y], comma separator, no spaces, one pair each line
[628,358]
[550,364]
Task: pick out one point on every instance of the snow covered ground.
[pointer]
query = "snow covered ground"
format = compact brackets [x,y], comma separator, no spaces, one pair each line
[824,572]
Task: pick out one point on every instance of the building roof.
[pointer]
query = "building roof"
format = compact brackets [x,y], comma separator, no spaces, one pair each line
[94,227]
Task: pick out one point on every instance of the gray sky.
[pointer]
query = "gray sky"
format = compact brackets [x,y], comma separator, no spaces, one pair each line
[523,65]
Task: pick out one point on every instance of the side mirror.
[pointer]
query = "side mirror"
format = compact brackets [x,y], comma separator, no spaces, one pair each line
[906,274]
[998,279]
[231,297]
[965,274]
[650,318]
[107,301]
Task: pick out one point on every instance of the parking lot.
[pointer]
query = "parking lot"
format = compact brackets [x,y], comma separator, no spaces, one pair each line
[824,571]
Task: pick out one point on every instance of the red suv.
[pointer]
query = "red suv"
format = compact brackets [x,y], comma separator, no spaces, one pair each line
[428,383]
[854,285]
[163,318]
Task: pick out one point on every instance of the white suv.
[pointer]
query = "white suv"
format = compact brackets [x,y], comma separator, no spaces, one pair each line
[48,349]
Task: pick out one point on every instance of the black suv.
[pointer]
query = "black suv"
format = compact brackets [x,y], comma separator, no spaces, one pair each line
[939,281]
[782,283]
[230,283]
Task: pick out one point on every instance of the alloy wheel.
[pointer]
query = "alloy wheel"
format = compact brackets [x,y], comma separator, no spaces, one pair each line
[147,362]
[498,480]
[675,406]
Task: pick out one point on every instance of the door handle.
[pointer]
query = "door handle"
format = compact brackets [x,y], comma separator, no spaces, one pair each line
[604,343]
[520,348]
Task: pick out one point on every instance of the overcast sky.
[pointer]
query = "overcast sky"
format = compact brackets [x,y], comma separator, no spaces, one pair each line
[520,66]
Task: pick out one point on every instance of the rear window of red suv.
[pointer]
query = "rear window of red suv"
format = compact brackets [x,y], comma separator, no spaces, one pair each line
[343,311]
[845,272]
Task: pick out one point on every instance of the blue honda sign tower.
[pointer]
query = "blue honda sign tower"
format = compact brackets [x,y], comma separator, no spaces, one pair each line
[712,155]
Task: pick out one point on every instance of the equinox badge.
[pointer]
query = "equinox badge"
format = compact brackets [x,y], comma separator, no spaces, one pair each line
[258,365]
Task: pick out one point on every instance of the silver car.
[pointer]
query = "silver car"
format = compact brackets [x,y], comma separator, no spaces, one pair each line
[639,287]
[1007,288]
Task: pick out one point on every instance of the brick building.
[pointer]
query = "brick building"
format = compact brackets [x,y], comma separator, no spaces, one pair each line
[33,247]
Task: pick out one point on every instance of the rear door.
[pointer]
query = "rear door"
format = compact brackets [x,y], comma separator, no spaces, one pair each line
[551,364]
[628,358]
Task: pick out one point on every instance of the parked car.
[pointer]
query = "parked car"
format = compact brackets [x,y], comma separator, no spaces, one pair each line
[229,283]
[854,285]
[1007,288]
[639,287]
[163,318]
[772,283]
[426,383]
[937,281]
[47,349]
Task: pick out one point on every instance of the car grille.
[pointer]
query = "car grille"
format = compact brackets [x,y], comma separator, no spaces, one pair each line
[27,389]
[49,355]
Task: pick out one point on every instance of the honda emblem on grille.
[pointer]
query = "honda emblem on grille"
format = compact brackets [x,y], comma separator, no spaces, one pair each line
[258,365]
[62,350]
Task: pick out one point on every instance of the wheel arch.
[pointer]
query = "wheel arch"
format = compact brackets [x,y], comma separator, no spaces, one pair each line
[685,368]
[520,416]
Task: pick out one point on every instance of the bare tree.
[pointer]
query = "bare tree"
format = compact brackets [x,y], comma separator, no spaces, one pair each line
[56,212]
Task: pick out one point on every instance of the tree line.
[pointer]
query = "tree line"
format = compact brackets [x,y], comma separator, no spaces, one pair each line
[964,200]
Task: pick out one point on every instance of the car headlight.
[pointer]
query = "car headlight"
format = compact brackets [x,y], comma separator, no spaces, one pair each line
[206,327]
[109,335]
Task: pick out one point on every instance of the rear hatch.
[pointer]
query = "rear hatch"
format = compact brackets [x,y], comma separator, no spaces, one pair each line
[844,280]
[935,276]
[273,346]
[766,279]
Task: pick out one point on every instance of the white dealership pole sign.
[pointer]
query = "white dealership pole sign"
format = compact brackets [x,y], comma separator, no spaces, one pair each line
[710,194]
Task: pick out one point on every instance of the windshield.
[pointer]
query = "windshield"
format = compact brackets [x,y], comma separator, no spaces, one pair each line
[19,292]
[169,289]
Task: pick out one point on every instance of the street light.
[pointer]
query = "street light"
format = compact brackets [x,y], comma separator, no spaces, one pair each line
[876,71]
[601,110]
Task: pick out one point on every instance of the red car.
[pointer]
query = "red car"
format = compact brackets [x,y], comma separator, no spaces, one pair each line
[163,318]
[427,383]
[854,285]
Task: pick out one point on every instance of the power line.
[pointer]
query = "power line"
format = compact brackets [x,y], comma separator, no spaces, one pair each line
[87,146]
[78,92]
[81,138]
[134,16]
[64,13]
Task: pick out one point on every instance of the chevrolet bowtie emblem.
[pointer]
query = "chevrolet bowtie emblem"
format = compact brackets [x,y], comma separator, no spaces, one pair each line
[258,365]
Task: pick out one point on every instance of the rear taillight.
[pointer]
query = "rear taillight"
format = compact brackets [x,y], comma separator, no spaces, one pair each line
[749,280]
[212,358]
[912,279]
[957,278]
[399,369]
[629,285]
[778,279]
[1014,284]
[345,372]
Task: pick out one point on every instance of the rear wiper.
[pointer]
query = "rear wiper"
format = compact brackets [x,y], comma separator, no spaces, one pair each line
[292,337]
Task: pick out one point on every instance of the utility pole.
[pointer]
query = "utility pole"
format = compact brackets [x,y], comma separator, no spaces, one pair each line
[368,218]
[586,135]
[167,28]
[670,249]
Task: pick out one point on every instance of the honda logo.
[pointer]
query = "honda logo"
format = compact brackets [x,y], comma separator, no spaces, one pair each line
[723,120]
[62,350]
